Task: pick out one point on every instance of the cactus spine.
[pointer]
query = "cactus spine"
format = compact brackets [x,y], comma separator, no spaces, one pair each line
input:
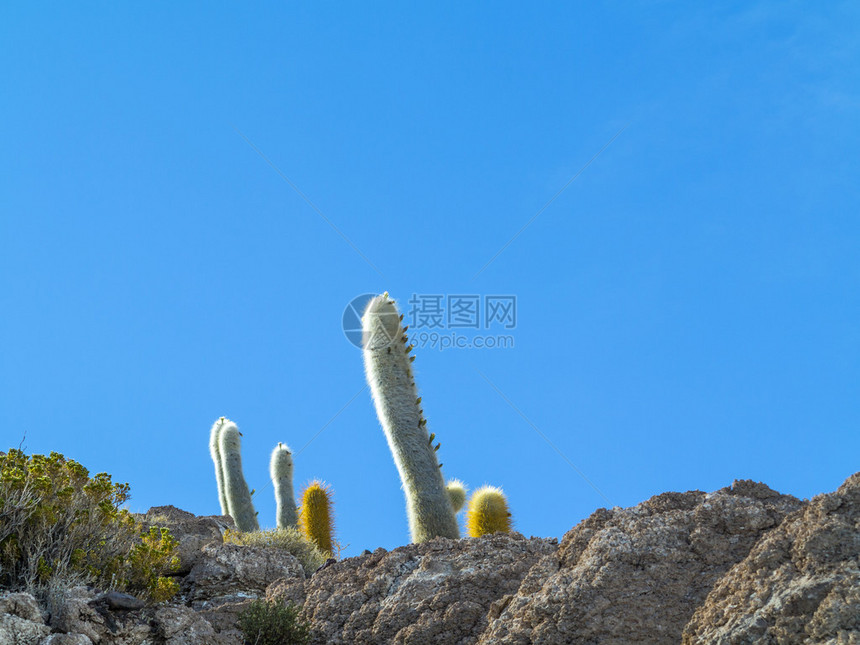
[389,373]
[215,451]
[456,493]
[281,471]
[488,512]
[239,504]
[315,520]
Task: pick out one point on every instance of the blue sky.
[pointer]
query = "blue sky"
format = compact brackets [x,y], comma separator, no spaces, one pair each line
[687,308]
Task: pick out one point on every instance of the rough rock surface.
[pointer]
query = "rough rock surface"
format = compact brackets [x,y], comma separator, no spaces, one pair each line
[228,576]
[22,622]
[229,572]
[800,584]
[192,532]
[436,592]
[741,565]
[22,605]
[67,639]
[20,631]
[637,575]
[84,611]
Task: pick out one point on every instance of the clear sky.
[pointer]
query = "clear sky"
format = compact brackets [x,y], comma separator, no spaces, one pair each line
[192,194]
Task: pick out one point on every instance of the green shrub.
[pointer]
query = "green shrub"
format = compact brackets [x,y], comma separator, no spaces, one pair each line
[58,523]
[273,623]
[289,539]
[147,560]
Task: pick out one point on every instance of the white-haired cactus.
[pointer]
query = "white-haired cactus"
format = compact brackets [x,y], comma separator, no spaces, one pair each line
[456,493]
[281,470]
[239,504]
[389,373]
[215,451]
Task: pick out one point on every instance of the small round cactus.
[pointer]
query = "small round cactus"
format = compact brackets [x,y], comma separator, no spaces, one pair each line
[456,493]
[488,512]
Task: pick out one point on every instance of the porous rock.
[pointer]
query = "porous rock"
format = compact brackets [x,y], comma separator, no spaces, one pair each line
[67,639]
[179,625]
[637,575]
[20,631]
[23,605]
[83,611]
[74,614]
[229,573]
[435,592]
[800,584]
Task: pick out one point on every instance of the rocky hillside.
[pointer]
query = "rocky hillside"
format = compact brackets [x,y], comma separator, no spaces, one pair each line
[744,564]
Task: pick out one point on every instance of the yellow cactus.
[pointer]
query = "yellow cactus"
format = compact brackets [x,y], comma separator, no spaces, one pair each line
[488,512]
[315,517]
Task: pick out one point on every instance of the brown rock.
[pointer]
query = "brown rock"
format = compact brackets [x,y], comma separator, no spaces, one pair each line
[20,631]
[192,532]
[224,618]
[67,639]
[22,605]
[637,575]
[81,611]
[435,592]
[800,584]
[117,601]
[178,625]
[75,615]
[287,590]
[227,573]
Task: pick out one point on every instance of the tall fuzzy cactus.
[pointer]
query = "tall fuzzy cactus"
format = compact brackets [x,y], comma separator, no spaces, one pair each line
[239,504]
[389,373]
[315,517]
[488,512]
[281,471]
[215,451]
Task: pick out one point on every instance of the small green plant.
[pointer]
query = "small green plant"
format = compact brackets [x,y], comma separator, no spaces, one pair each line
[273,623]
[154,555]
[289,539]
[58,523]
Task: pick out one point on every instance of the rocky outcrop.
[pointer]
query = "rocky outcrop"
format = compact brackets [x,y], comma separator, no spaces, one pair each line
[22,620]
[637,575]
[799,584]
[435,592]
[192,532]
[741,565]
